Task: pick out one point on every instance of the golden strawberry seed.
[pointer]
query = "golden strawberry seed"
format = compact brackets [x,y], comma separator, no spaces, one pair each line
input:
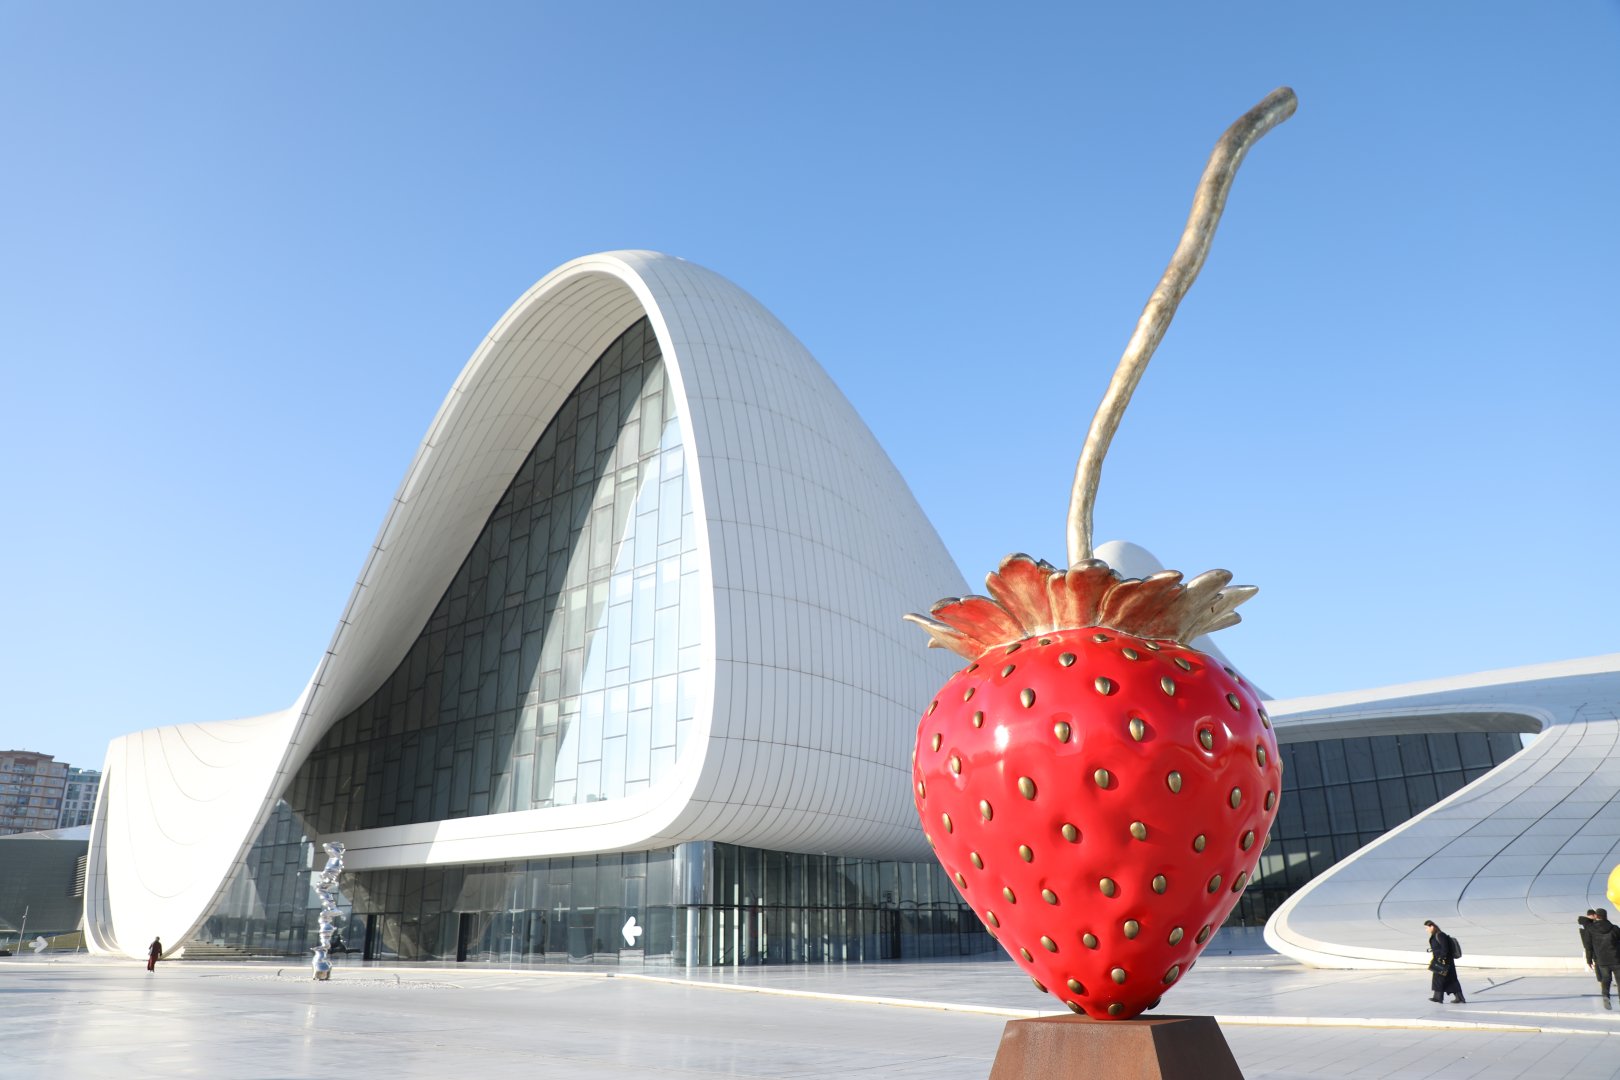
[1198,842]
[1173,781]
[1176,936]
[1027,697]
[1026,787]
[1160,884]
[1062,730]
[1168,685]
[1118,975]
[1232,700]
[1049,896]
[1008,893]
[1074,985]
[1182,662]
[1008,670]
[1038,985]
[1089,940]
[1206,739]
[1107,886]
[1131,928]
[1066,659]
[1138,729]
[1170,976]
[1104,685]
[1138,830]
[1048,944]
[1028,959]
[1130,654]
[1070,833]
[978,863]
[1102,777]
[985,810]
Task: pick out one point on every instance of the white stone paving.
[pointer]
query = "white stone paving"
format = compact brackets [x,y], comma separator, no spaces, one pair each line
[78,1016]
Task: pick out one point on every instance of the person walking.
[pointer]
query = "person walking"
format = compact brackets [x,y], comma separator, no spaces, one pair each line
[154,953]
[1443,965]
[1585,923]
[1605,951]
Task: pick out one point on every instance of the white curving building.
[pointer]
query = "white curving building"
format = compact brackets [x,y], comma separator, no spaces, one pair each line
[627,646]
[1506,862]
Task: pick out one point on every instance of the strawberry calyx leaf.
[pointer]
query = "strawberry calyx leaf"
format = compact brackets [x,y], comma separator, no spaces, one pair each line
[1029,597]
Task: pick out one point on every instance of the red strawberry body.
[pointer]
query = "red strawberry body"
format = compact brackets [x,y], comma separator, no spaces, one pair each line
[1100,799]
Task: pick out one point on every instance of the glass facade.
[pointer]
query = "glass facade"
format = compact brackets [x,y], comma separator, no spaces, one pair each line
[1341,794]
[699,904]
[561,664]
[269,905]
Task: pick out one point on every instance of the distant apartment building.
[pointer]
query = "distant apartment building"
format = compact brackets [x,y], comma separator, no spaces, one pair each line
[79,798]
[32,787]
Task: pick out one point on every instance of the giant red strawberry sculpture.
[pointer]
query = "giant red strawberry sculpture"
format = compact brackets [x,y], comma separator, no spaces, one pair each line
[1099,791]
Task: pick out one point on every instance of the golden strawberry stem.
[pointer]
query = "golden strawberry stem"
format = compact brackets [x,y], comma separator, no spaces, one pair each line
[1208,202]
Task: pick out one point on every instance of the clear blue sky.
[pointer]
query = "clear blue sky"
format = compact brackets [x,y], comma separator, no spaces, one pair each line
[245,250]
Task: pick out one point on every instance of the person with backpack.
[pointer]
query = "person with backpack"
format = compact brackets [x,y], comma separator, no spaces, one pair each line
[1605,951]
[1443,954]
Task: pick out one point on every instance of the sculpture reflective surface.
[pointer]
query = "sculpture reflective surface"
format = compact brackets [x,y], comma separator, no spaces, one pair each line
[326,889]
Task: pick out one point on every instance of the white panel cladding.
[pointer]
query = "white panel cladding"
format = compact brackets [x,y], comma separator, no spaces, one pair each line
[1506,863]
[169,826]
[814,549]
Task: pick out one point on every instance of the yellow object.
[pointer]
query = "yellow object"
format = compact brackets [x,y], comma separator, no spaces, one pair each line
[1614,888]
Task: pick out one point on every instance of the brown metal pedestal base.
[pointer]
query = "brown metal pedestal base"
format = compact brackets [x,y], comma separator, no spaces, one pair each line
[1163,1048]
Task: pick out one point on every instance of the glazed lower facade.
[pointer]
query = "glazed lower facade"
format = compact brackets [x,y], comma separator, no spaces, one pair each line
[695,905]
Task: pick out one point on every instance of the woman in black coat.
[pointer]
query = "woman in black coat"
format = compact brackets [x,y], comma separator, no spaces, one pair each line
[1444,966]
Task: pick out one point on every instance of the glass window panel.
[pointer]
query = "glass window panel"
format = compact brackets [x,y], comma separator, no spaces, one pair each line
[499,682]
[1358,759]
[1305,770]
[1443,752]
[1334,768]
[1414,754]
[1387,756]
[1474,747]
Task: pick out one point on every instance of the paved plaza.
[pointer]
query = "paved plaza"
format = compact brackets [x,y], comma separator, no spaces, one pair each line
[82,1017]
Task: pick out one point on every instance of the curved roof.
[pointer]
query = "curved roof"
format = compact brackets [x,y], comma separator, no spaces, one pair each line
[814,547]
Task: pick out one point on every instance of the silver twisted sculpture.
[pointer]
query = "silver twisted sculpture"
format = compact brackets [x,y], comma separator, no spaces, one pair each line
[326,888]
